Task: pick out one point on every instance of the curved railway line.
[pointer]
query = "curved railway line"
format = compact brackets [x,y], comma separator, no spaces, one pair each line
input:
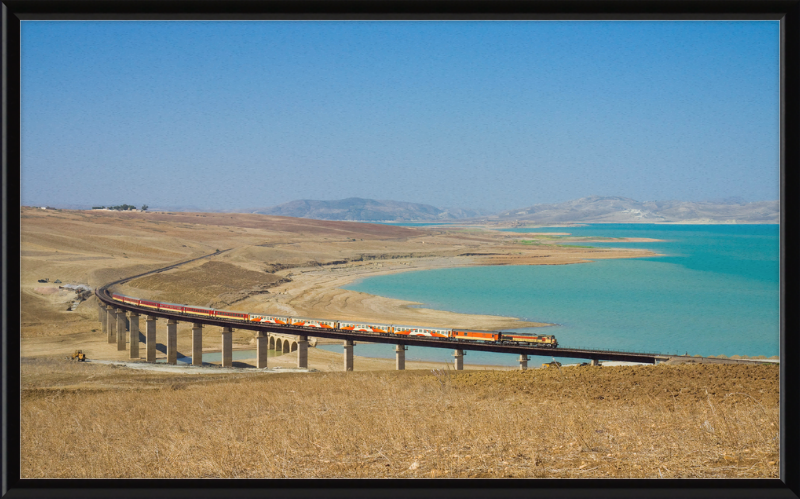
[103,294]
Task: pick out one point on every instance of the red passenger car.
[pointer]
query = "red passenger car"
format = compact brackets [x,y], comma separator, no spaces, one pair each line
[239,316]
[199,311]
[148,304]
[171,307]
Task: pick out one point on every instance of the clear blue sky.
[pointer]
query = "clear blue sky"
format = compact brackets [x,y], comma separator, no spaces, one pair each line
[490,115]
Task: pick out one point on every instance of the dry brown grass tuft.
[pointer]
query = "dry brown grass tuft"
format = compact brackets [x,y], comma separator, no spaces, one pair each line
[539,423]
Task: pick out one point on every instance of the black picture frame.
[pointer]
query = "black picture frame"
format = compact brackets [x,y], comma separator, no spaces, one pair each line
[13,11]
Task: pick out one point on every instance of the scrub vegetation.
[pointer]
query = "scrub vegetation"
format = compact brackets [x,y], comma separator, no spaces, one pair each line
[685,421]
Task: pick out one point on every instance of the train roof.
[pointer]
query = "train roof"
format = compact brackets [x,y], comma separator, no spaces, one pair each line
[367,323]
[466,330]
[173,304]
[423,327]
[229,311]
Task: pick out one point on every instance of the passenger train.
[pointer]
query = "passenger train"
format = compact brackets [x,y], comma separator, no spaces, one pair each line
[378,329]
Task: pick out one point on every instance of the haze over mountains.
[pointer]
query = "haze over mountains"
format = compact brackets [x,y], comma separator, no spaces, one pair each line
[596,209]
[592,209]
[599,209]
[358,209]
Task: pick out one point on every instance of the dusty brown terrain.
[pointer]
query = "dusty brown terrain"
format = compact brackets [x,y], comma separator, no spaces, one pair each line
[602,422]
[665,421]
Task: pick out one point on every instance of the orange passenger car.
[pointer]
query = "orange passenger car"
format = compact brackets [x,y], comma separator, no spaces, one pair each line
[422,331]
[467,334]
[367,328]
[318,323]
[271,319]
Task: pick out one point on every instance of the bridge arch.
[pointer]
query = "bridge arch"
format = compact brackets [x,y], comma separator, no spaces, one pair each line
[285,346]
[293,347]
[271,343]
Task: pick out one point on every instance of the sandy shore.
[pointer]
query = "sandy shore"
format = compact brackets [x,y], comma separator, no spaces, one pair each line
[320,293]
[315,292]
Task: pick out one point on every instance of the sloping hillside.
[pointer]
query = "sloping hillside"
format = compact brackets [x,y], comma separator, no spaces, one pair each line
[625,210]
[366,210]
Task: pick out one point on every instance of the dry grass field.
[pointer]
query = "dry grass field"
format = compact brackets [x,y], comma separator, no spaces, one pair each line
[97,420]
[688,421]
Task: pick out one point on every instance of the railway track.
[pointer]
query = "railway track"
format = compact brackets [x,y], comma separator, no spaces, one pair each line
[162,269]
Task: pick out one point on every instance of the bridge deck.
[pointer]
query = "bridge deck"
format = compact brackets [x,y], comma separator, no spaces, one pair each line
[423,341]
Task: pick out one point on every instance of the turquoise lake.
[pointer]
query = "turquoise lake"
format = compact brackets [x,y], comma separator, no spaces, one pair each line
[714,291]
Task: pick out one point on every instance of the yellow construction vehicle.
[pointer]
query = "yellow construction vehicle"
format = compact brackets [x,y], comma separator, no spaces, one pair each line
[78,355]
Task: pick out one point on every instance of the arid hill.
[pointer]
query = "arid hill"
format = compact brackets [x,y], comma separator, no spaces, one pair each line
[599,209]
[368,209]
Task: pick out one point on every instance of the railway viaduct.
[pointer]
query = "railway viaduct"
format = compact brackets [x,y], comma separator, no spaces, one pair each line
[115,316]
[116,322]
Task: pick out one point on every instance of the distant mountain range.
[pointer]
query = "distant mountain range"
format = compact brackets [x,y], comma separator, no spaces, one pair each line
[368,210]
[599,209]
[592,209]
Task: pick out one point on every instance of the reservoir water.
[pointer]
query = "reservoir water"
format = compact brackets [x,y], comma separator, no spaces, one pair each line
[714,291]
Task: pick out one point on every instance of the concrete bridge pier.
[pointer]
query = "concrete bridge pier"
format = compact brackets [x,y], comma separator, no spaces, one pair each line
[150,339]
[121,340]
[172,342]
[348,355]
[227,347]
[111,320]
[197,344]
[262,349]
[133,320]
[302,352]
[595,362]
[103,315]
[400,357]
[459,360]
[523,362]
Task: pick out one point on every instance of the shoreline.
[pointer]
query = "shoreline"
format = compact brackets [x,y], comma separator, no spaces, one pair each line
[315,292]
